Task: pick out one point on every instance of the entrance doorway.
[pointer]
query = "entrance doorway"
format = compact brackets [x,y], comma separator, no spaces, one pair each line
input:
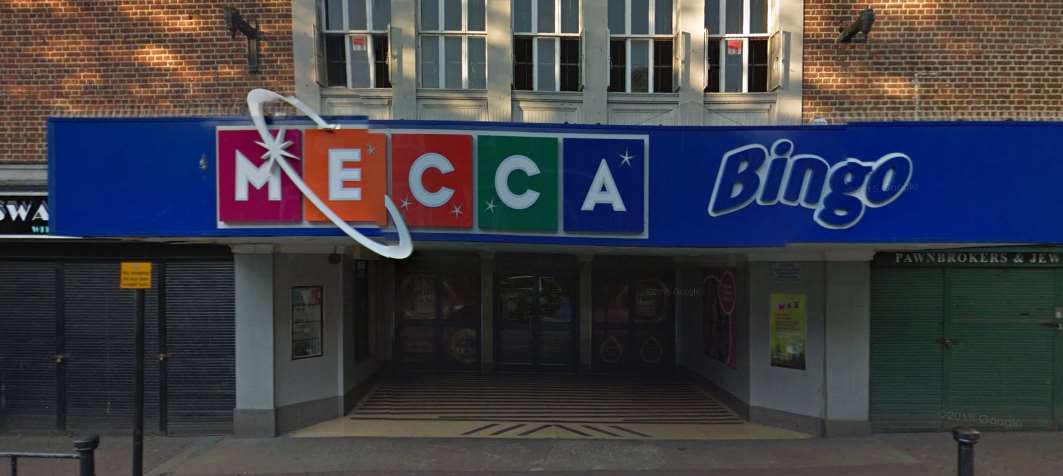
[633,315]
[438,313]
[536,309]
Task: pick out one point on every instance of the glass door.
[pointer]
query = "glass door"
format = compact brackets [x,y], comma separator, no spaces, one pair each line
[537,321]
[633,315]
[438,314]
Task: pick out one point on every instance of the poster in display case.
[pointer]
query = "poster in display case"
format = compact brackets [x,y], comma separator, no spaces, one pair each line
[307,322]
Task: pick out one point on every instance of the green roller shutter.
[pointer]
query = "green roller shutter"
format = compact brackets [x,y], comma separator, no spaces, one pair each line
[1000,367]
[906,362]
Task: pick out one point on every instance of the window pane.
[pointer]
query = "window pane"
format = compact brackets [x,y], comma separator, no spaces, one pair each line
[734,16]
[360,61]
[336,60]
[429,55]
[334,15]
[545,65]
[522,64]
[640,66]
[381,14]
[617,62]
[477,63]
[380,59]
[662,66]
[452,15]
[569,16]
[758,65]
[758,16]
[712,16]
[429,15]
[732,68]
[662,19]
[522,20]
[616,17]
[570,64]
[476,15]
[640,17]
[356,15]
[452,68]
[545,19]
[713,49]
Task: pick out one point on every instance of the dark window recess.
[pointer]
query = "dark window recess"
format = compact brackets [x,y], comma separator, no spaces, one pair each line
[617,56]
[758,65]
[336,59]
[662,66]
[361,311]
[714,66]
[380,61]
[523,64]
[570,63]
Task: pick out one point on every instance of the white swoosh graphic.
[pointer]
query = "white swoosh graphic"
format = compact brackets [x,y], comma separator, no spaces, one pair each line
[275,151]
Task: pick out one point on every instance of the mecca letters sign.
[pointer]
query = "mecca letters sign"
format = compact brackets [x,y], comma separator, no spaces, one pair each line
[511,183]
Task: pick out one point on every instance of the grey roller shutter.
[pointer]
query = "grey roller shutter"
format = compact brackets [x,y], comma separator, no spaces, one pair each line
[100,322]
[201,338]
[27,344]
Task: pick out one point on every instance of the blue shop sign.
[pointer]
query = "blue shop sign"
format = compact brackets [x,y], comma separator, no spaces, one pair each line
[652,186]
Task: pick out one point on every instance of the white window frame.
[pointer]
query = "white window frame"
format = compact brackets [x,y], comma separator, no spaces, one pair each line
[556,36]
[745,36]
[442,33]
[650,35]
[368,32]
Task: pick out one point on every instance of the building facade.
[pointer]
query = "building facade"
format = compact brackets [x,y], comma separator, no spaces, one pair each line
[751,247]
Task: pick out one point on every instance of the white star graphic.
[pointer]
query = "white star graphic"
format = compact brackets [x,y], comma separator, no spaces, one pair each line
[372,149]
[405,203]
[275,147]
[491,205]
[626,158]
[456,211]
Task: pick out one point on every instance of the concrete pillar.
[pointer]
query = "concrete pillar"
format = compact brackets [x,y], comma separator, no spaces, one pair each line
[691,48]
[404,60]
[255,413]
[499,61]
[586,342]
[487,313]
[596,62]
[847,345]
[304,46]
[789,21]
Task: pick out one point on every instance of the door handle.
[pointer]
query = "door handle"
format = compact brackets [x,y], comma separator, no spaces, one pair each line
[946,342]
[1057,325]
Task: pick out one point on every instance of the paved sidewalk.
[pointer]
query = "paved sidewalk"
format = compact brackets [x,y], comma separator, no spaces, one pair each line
[999,454]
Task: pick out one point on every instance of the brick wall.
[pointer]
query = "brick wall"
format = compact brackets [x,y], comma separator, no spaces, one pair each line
[129,57]
[976,59]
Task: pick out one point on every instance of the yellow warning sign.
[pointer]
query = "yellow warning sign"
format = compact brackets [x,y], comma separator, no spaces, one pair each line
[136,275]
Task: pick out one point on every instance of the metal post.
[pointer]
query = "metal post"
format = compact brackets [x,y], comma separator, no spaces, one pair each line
[14,466]
[966,438]
[138,392]
[86,449]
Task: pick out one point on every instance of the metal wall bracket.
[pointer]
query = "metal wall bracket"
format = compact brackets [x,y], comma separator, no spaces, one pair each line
[237,23]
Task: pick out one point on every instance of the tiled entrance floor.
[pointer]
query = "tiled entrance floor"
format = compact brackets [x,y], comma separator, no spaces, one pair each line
[542,406]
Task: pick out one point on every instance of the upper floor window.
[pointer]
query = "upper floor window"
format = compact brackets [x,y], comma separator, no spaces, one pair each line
[547,48]
[353,43]
[641,46]
[737,45]
[452,44]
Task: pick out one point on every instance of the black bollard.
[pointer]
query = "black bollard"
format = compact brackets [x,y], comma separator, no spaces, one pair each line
[965,437]
[86,449]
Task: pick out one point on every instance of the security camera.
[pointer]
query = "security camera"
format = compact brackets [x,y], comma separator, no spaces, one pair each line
[859,29]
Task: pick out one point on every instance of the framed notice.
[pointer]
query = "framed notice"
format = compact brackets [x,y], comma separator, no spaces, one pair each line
[306,322]
[788,331]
